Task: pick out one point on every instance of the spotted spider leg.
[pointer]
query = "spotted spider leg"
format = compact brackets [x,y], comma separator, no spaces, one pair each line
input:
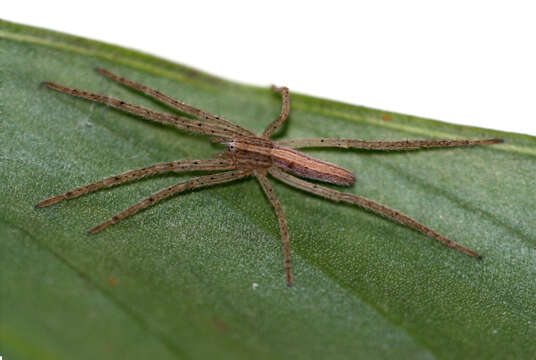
[285,108]
[159,168]
[283,229]
[367,204]
[180,122]
[179,105]
[368,145]
[198,182]
[213,126]
[383,145]
[267,187]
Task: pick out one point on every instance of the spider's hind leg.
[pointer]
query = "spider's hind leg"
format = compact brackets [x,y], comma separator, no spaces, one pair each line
[370,205]
[384,145]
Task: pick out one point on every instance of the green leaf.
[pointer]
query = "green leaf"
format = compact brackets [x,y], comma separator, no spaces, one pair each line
[177,280]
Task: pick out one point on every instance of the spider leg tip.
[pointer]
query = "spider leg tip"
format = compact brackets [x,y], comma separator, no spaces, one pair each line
[47,202]
[277,89]
[95,229]
[103,71]
[479,257]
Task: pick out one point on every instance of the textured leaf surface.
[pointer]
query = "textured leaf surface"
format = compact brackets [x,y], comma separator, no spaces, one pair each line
[176,281]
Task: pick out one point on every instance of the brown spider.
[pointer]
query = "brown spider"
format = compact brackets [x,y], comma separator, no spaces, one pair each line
[248,154]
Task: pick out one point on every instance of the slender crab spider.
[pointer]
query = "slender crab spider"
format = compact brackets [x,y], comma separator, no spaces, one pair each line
[249,154]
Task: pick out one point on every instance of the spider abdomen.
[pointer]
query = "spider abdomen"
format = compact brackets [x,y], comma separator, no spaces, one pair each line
[303,165]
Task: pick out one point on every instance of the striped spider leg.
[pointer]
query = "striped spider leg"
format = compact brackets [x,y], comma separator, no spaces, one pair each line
[248,154]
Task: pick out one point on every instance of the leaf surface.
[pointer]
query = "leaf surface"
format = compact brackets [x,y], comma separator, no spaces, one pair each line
[200,276]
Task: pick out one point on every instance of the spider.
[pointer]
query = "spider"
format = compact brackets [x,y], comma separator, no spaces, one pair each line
[248,154]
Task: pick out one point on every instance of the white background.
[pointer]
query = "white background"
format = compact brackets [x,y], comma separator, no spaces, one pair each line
[467,62]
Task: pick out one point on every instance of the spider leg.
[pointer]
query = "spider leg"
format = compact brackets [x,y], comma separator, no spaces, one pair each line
[285,108]
[179,105]
[159,168]
[177,121]
[269,191]
[370,205]
[194,183]
[383,145]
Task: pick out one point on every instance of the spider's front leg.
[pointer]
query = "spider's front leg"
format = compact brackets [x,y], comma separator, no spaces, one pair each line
[180,122]
[179,105]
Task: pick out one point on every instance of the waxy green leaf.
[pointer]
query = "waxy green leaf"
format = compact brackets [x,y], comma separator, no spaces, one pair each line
[200,275]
